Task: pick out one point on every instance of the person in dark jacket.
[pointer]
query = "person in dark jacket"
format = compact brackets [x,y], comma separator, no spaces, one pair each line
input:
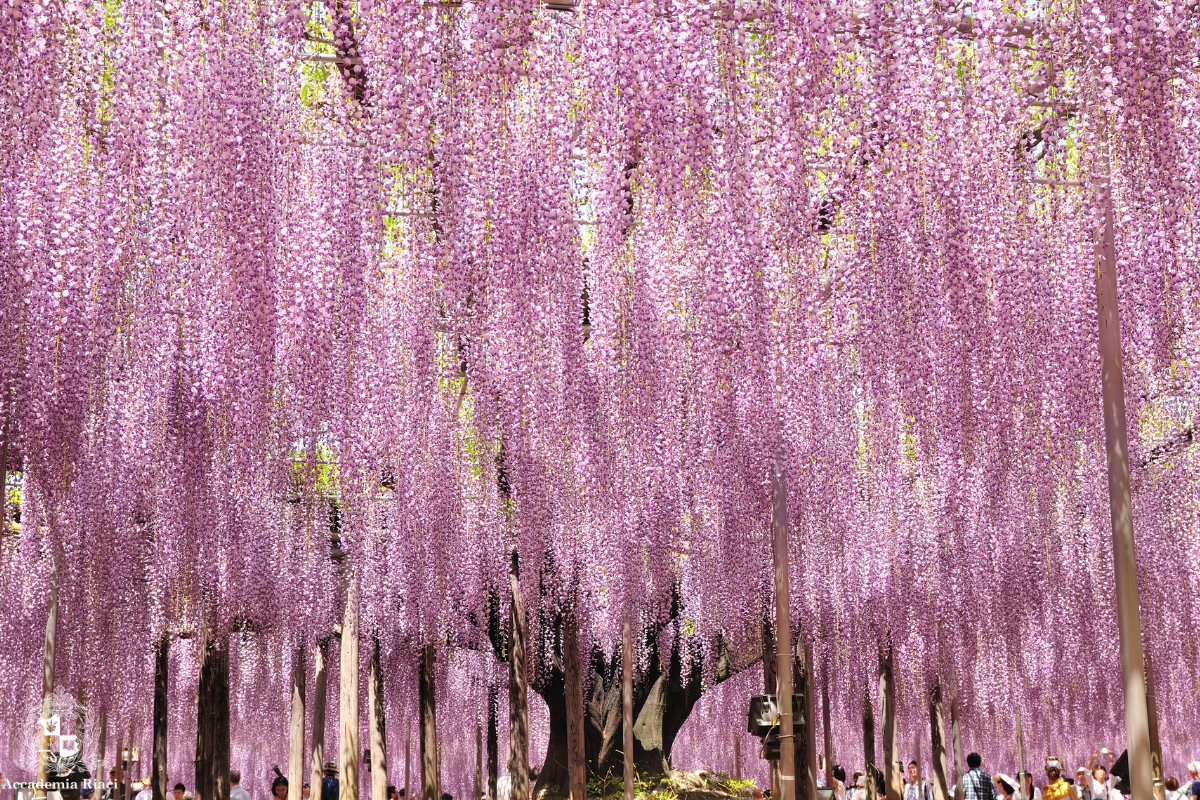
[329,784]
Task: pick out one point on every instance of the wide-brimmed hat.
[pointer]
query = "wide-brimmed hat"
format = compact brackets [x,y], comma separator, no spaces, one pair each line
[331,766]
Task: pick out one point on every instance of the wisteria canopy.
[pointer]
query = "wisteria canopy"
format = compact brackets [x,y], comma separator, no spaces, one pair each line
[444,280]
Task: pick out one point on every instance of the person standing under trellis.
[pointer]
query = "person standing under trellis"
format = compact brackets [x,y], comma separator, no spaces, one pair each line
[977,785]
[917,788]
[1056,787]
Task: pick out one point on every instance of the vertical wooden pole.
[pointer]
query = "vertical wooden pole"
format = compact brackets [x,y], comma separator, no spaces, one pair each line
[127,769]
[573,673]
[493,743]
[316,764]
[296,733]
[956,736]
[783,628]
[101,775]
[770,686]
[408,794]
[45,741]
[1020,755]
[1129,622]
[379,761]
[805,742]
[478,795]
[627,704]
[348,752]
[893,779]
[431,779]
[518,704]
[825,723]
[737,754]
[937,736]
[159,760]
[1160,789]
[868,718]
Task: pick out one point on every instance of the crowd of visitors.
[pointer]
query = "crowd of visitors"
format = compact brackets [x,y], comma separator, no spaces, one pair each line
[1093,781]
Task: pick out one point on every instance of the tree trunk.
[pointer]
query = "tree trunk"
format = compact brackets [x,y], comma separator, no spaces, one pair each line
[379,778]
[868,718]
[296,730]
[431,779]
[937,736]
[348,752]
[661,700]
[478,794]
[212,722]
[493,743]
[576,755]
[320,679]
[518,703]
[893,780]
[159,780]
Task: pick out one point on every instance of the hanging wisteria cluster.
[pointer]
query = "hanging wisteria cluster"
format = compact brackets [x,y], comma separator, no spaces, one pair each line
[441,280]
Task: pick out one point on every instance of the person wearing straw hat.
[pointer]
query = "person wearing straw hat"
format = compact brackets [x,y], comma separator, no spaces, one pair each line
[329,784]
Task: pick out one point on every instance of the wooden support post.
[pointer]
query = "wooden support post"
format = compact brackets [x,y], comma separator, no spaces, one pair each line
[1156,762]
[1020,755]
[478,794]
[431,779]
[101,775]
[868,718]
[573,673]
[770,686]
[316,764]
[893,778]
[295,773]
[917,756]
[627,705]
[1129,622]
[212,721]
[825,724]
[127,770]
[45,741]
[783,628]
[159,759]
[956,736]
[806,750]
[379,761]
[518,703]
[408,760]
[737,754]
[937,736]
[493,743]
[348,752]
